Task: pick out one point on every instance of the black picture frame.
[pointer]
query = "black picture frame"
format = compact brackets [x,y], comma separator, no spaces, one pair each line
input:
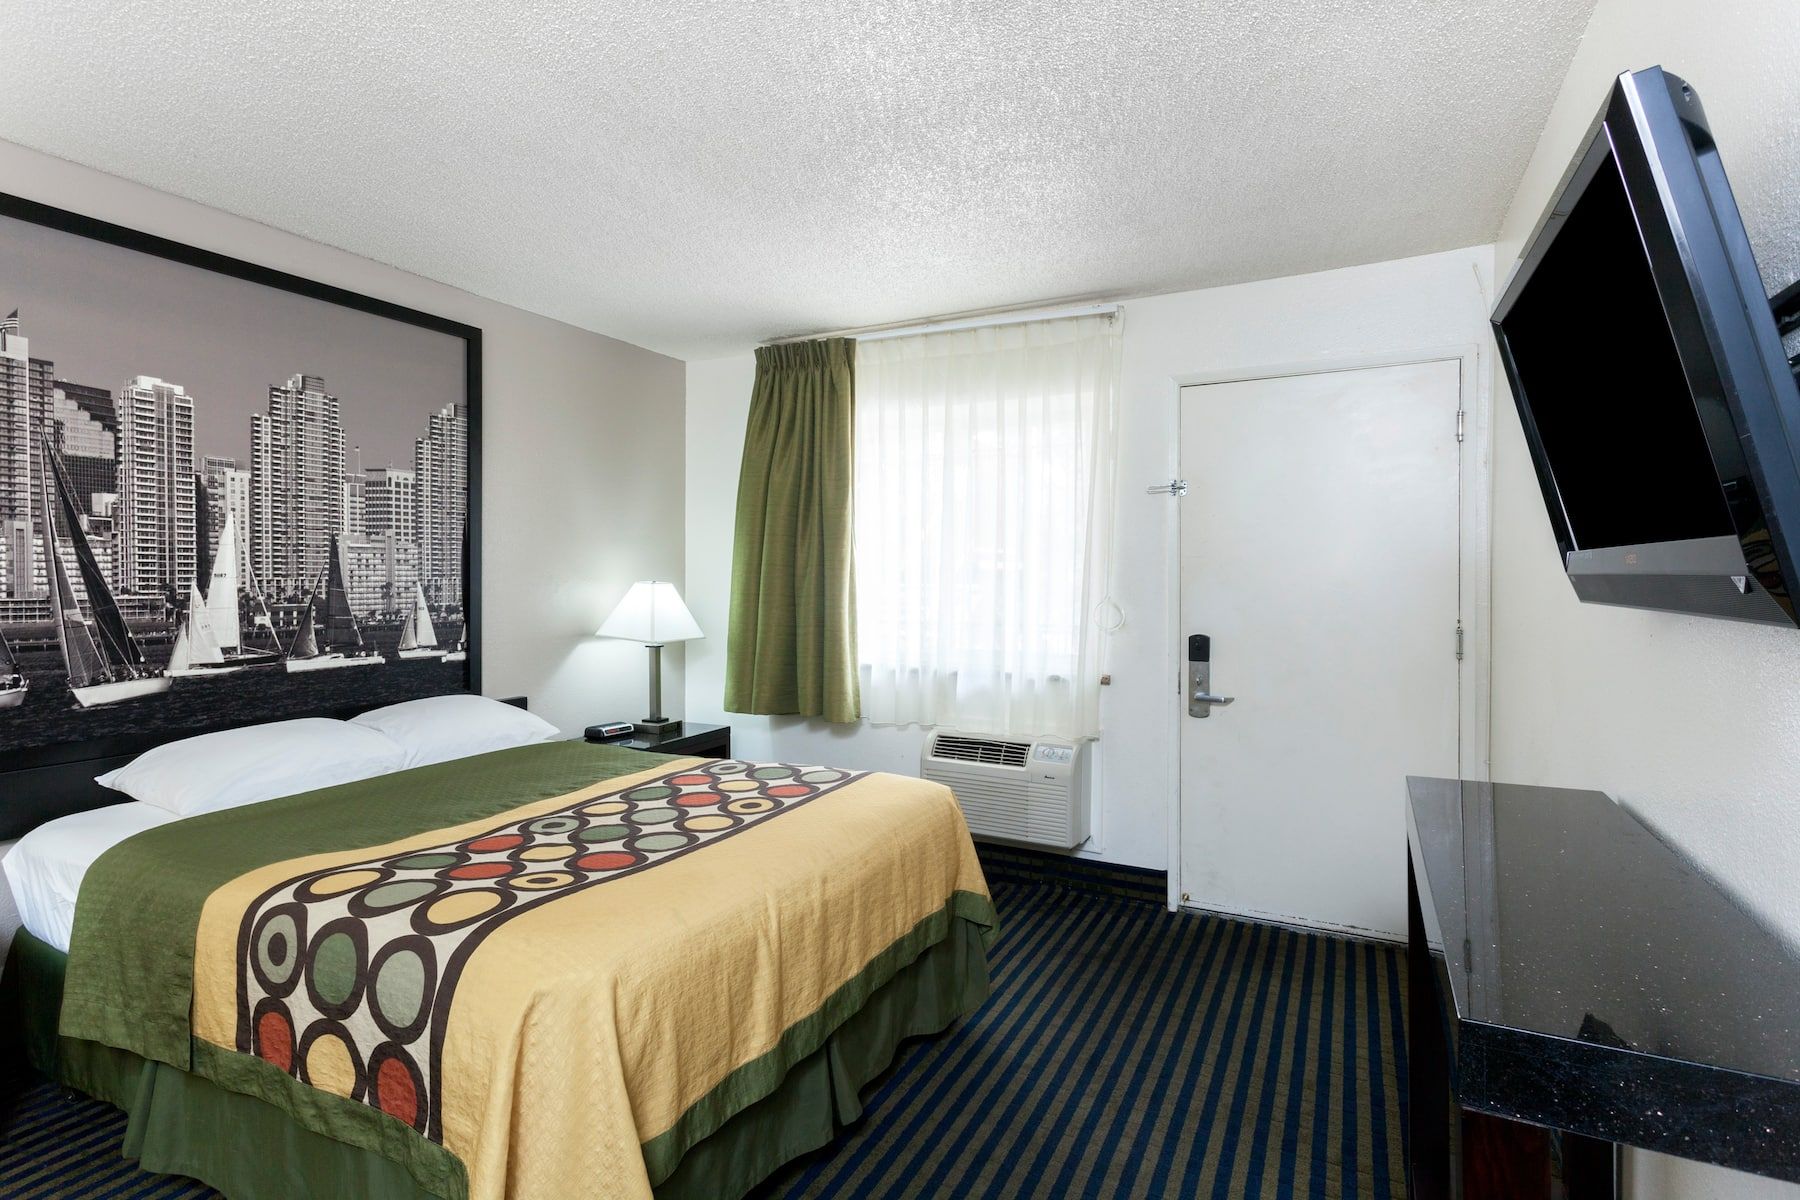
[33,775]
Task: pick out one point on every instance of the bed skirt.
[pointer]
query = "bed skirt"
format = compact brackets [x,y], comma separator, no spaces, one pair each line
[183,1124]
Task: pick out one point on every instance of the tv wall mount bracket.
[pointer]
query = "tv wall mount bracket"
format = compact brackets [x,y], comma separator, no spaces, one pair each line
[1786,306]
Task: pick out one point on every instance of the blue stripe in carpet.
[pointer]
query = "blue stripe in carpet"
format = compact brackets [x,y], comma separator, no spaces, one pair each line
[1125,1052]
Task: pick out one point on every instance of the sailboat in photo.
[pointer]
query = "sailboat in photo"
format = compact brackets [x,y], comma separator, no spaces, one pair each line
[261,623]
[196,651]
[460,653]
[104,661]
[342,643]
[209,642]
[13,683]
[417,637]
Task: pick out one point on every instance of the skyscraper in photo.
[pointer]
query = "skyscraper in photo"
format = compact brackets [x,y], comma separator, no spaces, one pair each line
[155,515]
[25,389]
[237,503]
[85,432]
[17,502]
[355,483]
[296,483]
[441,463]
[391,503]
[84,429]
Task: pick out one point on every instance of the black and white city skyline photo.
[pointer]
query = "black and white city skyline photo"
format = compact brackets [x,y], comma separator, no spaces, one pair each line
[220,500]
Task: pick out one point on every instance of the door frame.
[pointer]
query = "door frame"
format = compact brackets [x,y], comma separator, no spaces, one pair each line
[1475,552]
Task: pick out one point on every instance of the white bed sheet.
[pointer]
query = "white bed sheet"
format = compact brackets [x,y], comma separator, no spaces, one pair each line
[45,869]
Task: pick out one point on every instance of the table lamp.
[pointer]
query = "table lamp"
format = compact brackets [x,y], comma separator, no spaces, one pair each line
[652,613]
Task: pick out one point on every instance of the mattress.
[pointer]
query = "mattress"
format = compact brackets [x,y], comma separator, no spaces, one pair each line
[45,869]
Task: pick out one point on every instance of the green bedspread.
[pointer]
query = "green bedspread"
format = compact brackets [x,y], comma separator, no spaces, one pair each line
[155,884]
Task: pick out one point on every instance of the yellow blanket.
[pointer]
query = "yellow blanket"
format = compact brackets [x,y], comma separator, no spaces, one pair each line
[568,994]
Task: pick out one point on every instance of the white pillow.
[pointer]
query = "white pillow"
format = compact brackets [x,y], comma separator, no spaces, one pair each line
[440,728]
[258,762]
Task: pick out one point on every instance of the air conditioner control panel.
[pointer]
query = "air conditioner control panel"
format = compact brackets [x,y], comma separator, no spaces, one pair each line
[1054,754]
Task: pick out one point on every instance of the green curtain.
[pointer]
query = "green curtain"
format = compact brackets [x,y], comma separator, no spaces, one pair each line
[792,646]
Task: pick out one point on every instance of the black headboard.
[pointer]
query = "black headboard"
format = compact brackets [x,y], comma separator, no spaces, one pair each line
[30,797]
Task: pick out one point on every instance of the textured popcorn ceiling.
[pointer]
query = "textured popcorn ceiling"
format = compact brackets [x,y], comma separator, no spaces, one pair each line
[696,177]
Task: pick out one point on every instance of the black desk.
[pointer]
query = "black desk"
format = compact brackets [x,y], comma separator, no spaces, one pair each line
[1567,971]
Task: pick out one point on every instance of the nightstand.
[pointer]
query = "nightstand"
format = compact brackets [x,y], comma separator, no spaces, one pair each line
[691,737]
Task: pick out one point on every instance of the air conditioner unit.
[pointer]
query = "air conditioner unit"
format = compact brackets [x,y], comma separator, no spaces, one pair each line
[1027,790]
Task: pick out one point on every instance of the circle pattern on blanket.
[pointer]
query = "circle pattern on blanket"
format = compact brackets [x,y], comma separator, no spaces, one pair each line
[398,894]
[427,862]
[328,1061]
[481,870]
[607,860]
[397,1086]
[495,843]
[339,882]
[459,908]
[705,799]
[404,975]
[539,881]
[274,1034]
[276,947]
[725,768]
[334,978]
[358,1016]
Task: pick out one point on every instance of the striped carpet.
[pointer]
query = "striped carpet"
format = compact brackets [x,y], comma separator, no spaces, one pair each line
[1125,1053]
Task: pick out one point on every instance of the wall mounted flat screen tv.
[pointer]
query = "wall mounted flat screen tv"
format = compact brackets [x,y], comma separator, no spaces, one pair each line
[1660,410]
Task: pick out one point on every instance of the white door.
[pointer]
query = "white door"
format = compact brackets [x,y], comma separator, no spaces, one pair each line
[1319,553]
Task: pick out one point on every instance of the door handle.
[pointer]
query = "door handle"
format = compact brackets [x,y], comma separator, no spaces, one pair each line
[1201,697]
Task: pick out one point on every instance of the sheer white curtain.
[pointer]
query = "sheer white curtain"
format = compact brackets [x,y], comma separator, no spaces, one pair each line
[984,463]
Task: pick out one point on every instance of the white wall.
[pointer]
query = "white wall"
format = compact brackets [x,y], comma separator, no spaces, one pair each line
[1694,724]
[582,449]
[1401,307]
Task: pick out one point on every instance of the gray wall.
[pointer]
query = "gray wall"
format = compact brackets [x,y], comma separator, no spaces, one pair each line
[583,442]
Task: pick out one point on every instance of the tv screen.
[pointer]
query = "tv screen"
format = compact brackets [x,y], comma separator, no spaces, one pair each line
[1649,376]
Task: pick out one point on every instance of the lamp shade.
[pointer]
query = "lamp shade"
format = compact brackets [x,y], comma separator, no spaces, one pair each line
[651,612]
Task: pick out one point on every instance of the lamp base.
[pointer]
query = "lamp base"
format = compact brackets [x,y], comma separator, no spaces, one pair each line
[659,727]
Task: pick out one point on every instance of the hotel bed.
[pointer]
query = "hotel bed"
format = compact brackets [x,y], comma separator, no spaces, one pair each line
[553,970]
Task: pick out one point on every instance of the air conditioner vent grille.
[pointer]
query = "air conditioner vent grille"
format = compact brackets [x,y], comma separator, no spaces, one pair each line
[981,750]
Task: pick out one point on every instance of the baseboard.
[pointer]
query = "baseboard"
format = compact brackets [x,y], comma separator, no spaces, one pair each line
[1022,864]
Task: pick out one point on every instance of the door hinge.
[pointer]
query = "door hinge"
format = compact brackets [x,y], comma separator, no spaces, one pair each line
[1460,417]
[1175,487]
[1459,641]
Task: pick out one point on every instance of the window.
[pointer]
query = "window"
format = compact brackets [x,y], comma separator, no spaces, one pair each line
[983,481]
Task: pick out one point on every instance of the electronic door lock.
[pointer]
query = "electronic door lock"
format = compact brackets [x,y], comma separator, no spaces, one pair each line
[1201,697]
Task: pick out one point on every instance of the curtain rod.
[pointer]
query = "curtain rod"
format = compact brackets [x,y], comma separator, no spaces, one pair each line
[978,320]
